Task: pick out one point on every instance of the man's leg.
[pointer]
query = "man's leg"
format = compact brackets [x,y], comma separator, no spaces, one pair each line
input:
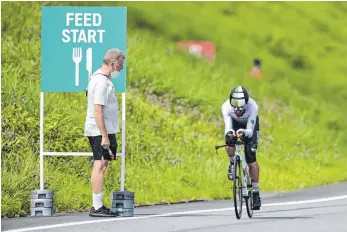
[231,153]
[101,158]
[251,159]
[97,181]
[254,169]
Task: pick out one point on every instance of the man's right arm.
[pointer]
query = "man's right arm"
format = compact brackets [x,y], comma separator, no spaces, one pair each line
[227,119]
[100,100]
[99,119]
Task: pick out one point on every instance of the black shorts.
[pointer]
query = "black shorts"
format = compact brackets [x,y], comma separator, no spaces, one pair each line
[251,144]
[99,151]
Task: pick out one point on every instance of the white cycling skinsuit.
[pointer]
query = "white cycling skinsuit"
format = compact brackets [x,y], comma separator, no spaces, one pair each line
[240,112]
[249,118]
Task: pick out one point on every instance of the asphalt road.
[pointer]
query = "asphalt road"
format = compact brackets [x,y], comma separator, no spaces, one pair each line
[315,209]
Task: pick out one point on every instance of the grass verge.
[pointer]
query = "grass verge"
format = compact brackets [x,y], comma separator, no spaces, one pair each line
[173,119]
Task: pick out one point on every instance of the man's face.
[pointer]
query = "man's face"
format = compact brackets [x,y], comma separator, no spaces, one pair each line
[239,113]
[118,65]
[238,106]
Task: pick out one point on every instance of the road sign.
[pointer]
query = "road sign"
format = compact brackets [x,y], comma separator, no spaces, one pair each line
[74,41]
[205,49]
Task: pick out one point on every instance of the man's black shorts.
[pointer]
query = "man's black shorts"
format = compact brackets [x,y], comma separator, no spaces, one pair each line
[99,151]
[251,142]
[254,139]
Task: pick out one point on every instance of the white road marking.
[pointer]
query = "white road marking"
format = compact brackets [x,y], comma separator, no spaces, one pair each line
[175,213]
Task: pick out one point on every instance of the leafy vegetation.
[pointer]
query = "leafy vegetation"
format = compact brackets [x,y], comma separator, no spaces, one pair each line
[174,99]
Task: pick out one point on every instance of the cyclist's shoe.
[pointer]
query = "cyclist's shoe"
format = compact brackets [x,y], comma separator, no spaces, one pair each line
[256,200]
[230,171]
[102,212]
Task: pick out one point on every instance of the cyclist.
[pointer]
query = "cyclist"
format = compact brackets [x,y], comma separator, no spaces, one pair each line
[240,113]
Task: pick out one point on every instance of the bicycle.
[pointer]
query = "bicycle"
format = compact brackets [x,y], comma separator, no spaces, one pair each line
[242,183]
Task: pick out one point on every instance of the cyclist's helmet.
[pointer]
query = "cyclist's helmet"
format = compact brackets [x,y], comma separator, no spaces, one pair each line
[239,99]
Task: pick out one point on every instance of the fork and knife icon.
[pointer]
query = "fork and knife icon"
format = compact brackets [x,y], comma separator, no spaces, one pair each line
[77,58]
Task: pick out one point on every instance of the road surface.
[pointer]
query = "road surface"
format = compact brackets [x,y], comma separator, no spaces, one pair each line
[310,210]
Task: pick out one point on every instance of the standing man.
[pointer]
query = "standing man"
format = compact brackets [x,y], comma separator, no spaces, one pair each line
[255,72]
[101,124]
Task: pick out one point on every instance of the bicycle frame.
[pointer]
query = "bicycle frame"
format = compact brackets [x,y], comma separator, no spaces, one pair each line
[242,160]
[244,179]
[239,156]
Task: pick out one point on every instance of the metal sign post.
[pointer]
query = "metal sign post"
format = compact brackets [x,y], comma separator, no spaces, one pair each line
[73,43]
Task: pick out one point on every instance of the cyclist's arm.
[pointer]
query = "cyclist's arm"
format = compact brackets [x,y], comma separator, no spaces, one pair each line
[228,124]
[251,122]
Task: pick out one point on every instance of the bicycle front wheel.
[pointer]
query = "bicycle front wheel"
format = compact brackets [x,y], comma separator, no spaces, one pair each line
[237,188]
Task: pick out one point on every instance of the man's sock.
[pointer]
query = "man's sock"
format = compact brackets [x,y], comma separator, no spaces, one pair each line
[256,186]
[97,200]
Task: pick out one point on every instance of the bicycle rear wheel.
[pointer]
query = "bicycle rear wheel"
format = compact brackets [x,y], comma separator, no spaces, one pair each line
[249,199]
[237,188]
[249,205]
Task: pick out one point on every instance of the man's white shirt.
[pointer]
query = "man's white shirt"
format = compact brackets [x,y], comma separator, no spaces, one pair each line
[101,91]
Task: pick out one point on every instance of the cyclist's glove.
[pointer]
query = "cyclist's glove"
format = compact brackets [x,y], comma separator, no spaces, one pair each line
[229,138]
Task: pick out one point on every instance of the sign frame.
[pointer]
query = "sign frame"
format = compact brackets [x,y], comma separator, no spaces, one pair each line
[122,90]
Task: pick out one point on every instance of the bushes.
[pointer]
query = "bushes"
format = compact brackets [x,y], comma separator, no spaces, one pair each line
[173,108]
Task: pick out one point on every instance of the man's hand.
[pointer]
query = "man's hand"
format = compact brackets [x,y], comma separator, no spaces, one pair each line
[229,137]
[111,154]
[240,133]
[105,141]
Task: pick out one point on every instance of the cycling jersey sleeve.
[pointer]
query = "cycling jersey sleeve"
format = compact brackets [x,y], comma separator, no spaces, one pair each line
[228,124]
[251,122]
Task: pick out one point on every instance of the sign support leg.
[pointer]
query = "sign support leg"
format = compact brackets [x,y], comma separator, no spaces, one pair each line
[41,138]
[122,180]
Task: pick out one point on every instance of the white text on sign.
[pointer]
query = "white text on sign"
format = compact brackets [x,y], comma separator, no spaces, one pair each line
[83,35]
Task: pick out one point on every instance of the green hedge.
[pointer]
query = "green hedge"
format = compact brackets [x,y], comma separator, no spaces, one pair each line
[174,100]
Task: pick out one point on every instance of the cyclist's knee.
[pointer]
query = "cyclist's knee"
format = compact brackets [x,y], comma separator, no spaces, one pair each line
[251,152]
[253,165]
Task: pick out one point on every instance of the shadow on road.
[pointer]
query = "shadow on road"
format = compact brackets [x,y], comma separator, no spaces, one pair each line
[261,212]
[245,220]
[303,208]
[280,218]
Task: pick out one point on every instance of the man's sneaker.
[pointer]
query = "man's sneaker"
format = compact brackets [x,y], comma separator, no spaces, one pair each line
[230,172]
[102,212]
[256,200]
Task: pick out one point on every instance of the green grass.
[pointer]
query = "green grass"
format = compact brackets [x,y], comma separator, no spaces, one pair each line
[174,100]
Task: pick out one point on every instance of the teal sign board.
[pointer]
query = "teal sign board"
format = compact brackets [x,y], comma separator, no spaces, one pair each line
[74,41]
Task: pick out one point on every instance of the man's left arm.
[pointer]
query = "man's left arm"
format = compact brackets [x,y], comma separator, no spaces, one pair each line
[251,122]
